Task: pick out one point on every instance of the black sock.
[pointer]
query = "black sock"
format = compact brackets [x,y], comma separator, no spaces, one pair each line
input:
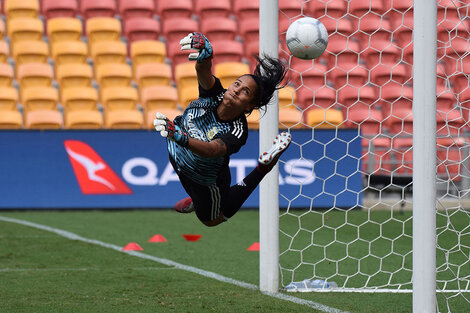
[240,192]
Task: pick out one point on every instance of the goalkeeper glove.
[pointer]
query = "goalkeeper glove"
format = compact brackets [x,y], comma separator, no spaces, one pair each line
[168,129]
[198,42]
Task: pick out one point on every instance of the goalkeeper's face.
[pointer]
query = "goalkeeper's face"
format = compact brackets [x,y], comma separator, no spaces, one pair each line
[240,95]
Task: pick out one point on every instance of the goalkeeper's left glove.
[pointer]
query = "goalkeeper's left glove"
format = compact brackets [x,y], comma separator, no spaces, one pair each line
[199,42]
[168,129]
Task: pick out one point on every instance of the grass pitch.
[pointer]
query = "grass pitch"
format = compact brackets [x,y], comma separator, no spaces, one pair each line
[43,272]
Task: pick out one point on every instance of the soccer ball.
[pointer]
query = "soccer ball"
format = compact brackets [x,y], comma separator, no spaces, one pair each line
[307,38]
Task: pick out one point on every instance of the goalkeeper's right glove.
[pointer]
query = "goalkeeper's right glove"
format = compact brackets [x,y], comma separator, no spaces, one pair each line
[168,129]
[198,42]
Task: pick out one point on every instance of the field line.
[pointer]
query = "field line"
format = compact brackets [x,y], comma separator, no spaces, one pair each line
[80,269]
[72,236]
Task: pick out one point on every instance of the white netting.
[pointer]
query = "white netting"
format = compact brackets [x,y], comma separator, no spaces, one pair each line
[364,82]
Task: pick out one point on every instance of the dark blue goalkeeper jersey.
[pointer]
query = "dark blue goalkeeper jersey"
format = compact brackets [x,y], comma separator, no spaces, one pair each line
[200,121]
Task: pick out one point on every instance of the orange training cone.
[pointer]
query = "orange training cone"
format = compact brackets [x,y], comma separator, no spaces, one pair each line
[132,246]
[190,237]
[157,238]
[253,247]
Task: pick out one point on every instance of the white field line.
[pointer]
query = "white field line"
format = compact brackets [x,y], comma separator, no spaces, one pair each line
[80,269]
[72,236]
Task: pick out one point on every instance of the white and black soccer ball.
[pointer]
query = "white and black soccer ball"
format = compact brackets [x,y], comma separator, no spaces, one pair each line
[307,38]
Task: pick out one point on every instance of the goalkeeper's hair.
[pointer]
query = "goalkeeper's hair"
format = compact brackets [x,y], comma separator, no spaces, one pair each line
[268,74]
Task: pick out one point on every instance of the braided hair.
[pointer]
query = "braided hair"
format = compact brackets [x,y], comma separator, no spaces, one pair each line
[268,74]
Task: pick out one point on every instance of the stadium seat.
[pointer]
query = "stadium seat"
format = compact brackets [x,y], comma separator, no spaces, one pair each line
[105,52]
[450,122]
[4,51]
[333,8]
[249,30]
[79,98]
[11,119]
[68,52]
[228,72]
[59,8]
[377,156]
[219,28]
[152,74]
[373,31]
[253,120]
[113,75]
[35,75]
[150,115]
[43,119]
[187,94]
[245,9]
[403,151]
[209,8]
[124,119]
[227,51]
[400,122]
[464,102]
[455,56]
[2,28]
[174,9]
[103,29]
[339,30]
[97,8]
[6,75]
[74,75]
[388,54]
[83,119]
[368,120]
[450,157]
[290,9]
[460,78]
[308,75]
[397,9]
[363,11]
[343,56]
[323,97]
[185,75]
[175,54]
[356,77]
[175,29]
[290,117]
[321,118]
[287,97]
[403,30]
[39,98]
[395,98]
[63,29]
[156,97]
[136,8]
[30,51]
[119,98]
[23,8]
[358,98]
[8,99]
[141,29]
[384,74]
[446,100]
[24,29]
[147,51]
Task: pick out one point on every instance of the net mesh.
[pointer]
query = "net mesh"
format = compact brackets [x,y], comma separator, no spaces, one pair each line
[363,82]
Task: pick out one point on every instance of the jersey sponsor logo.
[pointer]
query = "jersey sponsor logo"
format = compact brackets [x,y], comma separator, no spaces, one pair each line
[212,132]
[93,174]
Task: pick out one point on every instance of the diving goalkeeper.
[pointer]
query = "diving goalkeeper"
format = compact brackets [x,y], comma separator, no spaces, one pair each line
[201,140]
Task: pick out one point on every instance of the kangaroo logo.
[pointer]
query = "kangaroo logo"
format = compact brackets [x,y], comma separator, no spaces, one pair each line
[93,174]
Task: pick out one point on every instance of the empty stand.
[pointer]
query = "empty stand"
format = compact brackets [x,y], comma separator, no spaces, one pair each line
[395,98]
[174,9]
[150,115]
[119,98]
[8,99]
[245,9]
[219,28]
[290,117]
[249,30]
[6,75]
[64,29]
[124,119]
[185,75]
[141,29]
[209,8]
[23,8]
[59,8]
[11,119]
[368,120]
[2,28]
[175,29]
[24,29]
[156,97]
[320,118]
[136,8]
[147,51]
[450,155]
[103,29]
[287,97]
[228,72]
[30,51]
[334,8]
[104,52]
[113,75]
[97,8]
[83,119]
[403,153]
[151,74]
[377,156]
[289,9]
[227,51]
[43,119]
[4,52]
[187,94]
[74,75]
[79,98]
[365,11]
[175,54]
[35,75]
[323,97]
[308,75]
[69,52]
[39,98]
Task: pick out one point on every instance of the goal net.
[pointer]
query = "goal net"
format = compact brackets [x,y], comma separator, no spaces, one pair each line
[363,84]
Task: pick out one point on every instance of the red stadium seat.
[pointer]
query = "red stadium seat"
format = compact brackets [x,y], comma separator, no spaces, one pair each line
[362,11]
[210,8]
[333,8]
[289,9]
[339,30]
[136,8]
[368,120]
[323,97]
[59,8]
[249,30]
[450,122]
[176,55]
[374,29]
[175,29]
[141,29]
[306,74]
[383,74]
[245,9]
[356,77]
[219,28]
[376,156]
[455,56]
[396,98]
[400,122]
[450,157]
[227,51]
[460,78]
[396,9]
[174,9]
[387,54]
[403,151]
[97,8]
[358,98]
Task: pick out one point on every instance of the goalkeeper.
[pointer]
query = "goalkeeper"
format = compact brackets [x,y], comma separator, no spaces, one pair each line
[212,128]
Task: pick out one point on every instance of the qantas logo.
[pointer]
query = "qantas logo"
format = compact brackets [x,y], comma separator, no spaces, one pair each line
[93,174]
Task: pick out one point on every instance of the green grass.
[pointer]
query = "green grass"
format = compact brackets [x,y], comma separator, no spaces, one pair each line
[48,273]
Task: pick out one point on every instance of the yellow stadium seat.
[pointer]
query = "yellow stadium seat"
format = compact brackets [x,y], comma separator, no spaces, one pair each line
[39,98]
[324,118]
[103,29]
[287,96]
[64,29]
[83,119]
[185,74]
[2,28]
[4,52]
[150,115]
[6,74]
[8,99]
[24,29]
[156,97]
[147,51]
[151,74]
[124,119]
[11,120]
[74,75]
[43,119]
[35,75]
[30,52]
[113,75]
[21,8]
[79,99]
[188,94]
[108,52]
[228,72]
[119,98]
[253,120]
[290,117]
[66,52]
